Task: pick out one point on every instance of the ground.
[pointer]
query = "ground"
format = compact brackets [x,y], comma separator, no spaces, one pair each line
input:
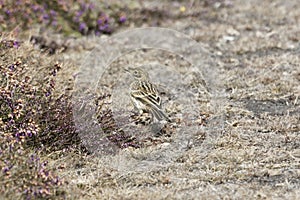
[255,153]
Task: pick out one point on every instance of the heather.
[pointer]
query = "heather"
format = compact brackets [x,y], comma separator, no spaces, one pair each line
[69,17]
[25,103]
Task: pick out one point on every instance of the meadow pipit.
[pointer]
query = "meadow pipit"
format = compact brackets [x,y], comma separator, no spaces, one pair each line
[144,95]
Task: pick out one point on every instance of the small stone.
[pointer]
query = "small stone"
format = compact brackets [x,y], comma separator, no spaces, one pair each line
[233,32]
[228,38]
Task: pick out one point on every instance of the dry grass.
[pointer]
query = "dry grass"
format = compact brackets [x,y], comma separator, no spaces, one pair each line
[255,154]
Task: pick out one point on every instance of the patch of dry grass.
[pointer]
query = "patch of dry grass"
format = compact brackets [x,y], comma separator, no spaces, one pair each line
[254,156]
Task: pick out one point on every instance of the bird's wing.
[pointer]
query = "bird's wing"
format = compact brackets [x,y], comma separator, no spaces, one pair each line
[147,93]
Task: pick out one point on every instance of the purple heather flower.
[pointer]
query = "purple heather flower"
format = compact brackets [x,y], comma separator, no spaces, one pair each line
[48,94]
[104,27]
[99,21]
[97,33]
[54,23]
[32,157]
[6,169]
[106,19]
[82,27]
[16,44]
[8,12]
[35,8]
[122,19]
[44,164]
[83,6]
[45,5]
[29,133]
[46,16]
[52,13]
[79,13]
[11,67]
[42,9]
[91,6]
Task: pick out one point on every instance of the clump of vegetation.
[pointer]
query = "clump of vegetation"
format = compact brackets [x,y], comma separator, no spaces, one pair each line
[28,105]
[66,16]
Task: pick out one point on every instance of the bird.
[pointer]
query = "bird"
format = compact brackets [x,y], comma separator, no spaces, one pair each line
[144,95]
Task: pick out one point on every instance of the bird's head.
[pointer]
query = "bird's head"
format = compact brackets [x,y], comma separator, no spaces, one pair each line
[138,73]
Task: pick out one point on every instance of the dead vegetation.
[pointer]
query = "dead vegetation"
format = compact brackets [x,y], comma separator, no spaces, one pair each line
[253,154]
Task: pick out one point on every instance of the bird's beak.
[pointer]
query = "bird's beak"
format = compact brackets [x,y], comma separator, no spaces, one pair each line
[127,69]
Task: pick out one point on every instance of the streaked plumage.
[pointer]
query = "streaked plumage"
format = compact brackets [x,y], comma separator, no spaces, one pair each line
[144,94]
